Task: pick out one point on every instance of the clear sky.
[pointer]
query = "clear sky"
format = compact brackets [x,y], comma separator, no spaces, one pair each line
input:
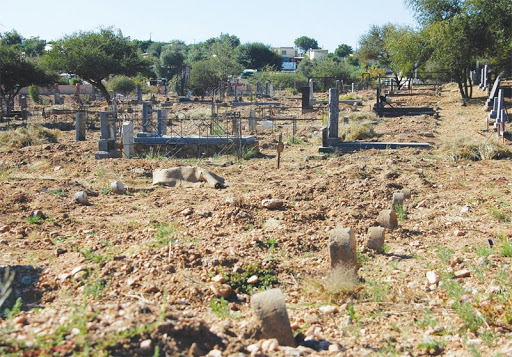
[273,22]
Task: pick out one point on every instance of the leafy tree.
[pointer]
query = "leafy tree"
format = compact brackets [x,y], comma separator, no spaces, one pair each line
[34,47]
[343,50]
[11,38]
[305,68]
[257,55]
[304,43]
[170,62]
[204,76]
[94,56]
[461,31]
[17,71]
[122,84]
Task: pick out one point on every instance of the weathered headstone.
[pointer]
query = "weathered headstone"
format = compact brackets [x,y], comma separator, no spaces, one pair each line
[127,134]
[311,88]
[107,143]
[252,120]
[398,199]
[342,247]
[147,115]
[306,103]
[270,309]
[493,94]
[80,126]
[407,193]
[388,219]
[376,237]
[333,113]
[161,115]
[139,93]
[271,90]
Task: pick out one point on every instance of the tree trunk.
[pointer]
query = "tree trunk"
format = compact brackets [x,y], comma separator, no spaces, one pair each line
[470,88]
[466,91]
[101,88]
[461,88]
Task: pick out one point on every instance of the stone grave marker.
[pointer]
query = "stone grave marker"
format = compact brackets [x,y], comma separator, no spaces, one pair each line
[388,219]
[376,237]
[270,309]
[342,247]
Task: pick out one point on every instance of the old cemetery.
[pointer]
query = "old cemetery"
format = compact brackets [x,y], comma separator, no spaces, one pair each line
[346,221]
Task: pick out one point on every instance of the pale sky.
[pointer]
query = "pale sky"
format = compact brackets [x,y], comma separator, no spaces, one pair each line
[276,23]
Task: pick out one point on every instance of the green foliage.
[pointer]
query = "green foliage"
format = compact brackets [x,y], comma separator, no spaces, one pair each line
[170,62]
[238,281]
[343,50]
[497,213]
[33,92]
[220,307]
[16,309]
[292,140]
[329,66]
[358,131]
[249,152]
[164,234]
[505,247]
[400,211]
[258,56]
[94,56]
[445,254]
[74,81]
[280,79]
[432,346]
[34,219]
[304,43]
[122,84]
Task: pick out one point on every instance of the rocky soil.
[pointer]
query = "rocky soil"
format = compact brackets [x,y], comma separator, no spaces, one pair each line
[170,270]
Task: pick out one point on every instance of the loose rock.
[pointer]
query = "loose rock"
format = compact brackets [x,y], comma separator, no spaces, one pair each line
[117,187]
[272,203]
[81,198]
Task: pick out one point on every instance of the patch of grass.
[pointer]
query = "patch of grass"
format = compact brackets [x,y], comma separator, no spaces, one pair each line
[153,153]
[165,232]
[350,96]
[91,256]
[249,152]
[339,283]
[499,214]
[6,285]
[428,320]
[362,116]
[505,248]
[220,307]
[358,131]
[292,140]
[34,220]
[483,250]
[31,135]
[431,346]
[16,309]
[400,211]
[445,254]
[377,291]
[464,148]
[238,281]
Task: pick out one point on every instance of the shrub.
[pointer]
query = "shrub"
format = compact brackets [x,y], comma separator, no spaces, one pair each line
[32,135]
[33,92]
[358,131]
[464,148]
[122,84]
[75,81]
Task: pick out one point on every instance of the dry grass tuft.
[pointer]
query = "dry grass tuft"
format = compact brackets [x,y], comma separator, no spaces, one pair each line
[32,135]
[340,282]
[358,131]
[362,116]
[464,148]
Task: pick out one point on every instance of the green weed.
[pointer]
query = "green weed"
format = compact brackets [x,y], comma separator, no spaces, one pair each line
[220,307]
[238,281]
[293,140]
[445,254]
[400,211]
[164,234]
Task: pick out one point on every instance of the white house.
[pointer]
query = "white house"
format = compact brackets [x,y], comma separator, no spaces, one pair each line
[316,54]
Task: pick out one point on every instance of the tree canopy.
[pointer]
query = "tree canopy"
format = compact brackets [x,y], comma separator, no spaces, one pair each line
[17,71]
[304,43]
[94,56]
[257,56]
[343,50]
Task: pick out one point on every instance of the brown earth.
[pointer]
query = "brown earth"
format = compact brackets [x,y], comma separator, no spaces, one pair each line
[132,285]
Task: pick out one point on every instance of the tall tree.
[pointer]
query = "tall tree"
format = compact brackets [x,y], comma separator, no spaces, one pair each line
[94,56]
[304,43]
[17,71]
[343,50]
[170,61]
[257,55]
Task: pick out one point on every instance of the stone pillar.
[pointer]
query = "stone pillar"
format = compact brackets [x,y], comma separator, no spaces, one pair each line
[107,143]
[342,248]
[270,309]
[352,87]
[271,90]
[23,102]
[376,237]
[127,133]
[311,88]
[252,120]
[388,219]
[147,113]
[333,113]
[161,115]
[306,103]
[80,126]
[139,93]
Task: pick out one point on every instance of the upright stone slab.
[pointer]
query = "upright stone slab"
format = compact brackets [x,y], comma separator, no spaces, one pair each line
[270,309]
[147,116]
[311,88]
[107,143]
[127,133]
[161,115]
[407,193]
[80,126]
[23,102]
[252,120]
[388,219]
[376,238]
[398,199]
[352,87]
[493,94]
[333,113]
[139,93]
[236,92]
[306,103]
[342,247]
[271,90]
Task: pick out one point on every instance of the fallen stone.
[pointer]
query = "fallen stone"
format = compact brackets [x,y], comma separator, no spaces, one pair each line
[253,279]
[78,269]
[187,176]
[432,277]
[270,309]
[37,213]
[221,290]
[458,233]
[146,347]
[342,247]
[270,345]
[388,219]
[117,187]
[81,198]
[463,273]
[272,203]
[376,236]
[4,229]
[329,309]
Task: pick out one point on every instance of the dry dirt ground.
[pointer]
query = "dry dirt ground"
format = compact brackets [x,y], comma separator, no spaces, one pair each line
[143,273]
